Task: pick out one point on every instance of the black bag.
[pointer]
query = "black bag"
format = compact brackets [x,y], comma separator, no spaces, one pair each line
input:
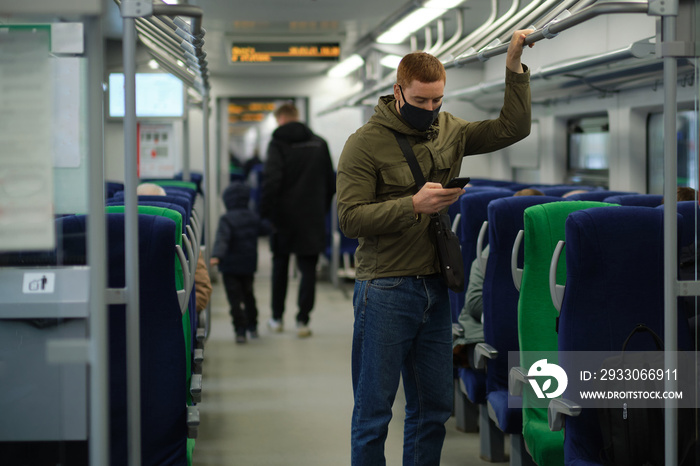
[446,242]
[448,251]
[635,436]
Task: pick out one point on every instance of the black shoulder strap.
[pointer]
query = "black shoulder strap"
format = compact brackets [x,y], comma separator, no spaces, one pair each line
[410,158]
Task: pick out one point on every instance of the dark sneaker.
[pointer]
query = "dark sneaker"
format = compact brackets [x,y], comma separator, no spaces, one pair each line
[241,339]
[253,334]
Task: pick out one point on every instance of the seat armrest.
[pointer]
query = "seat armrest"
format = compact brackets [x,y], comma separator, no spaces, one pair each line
[201,334]
[516,379]
[196,387]
[556,291]
[198,359]
[483,351]
[192,421]
[557,409]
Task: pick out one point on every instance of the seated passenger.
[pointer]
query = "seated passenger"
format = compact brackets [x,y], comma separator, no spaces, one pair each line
[149,189]
[575,191]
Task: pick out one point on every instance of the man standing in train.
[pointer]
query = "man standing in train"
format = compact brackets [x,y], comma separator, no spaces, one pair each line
[402,313]
[298,186]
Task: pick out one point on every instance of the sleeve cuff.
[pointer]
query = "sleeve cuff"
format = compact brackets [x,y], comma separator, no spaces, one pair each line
[411,217]
[524,77]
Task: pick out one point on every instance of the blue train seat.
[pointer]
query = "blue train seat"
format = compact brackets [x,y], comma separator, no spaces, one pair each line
[164,412]
[188,322]
[543,229]
[500,301]
[645,200]
[472,208]
[604,253]
[112,187]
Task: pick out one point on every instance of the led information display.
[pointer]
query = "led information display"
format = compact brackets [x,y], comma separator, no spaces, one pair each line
[276,52]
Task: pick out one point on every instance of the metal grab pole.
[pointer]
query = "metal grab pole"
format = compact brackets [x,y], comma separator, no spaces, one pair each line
[186,143]
[97,250]
[668,32]
[133,351]
[206,189]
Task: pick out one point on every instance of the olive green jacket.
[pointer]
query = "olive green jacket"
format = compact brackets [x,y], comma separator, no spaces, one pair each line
[375,185]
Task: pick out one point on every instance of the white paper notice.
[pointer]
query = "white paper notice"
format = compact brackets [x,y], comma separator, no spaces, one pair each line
[156,150]
[26,158]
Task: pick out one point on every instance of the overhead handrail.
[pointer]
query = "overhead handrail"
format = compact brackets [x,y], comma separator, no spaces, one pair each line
[176,39]
[510,23]
[459,21]
[640,49]
[575,19]
[166,62]
[522,19]
[491,22]
[440,37]
[571,5]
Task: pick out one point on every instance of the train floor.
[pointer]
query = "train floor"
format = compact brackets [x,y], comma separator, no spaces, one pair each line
[280,400]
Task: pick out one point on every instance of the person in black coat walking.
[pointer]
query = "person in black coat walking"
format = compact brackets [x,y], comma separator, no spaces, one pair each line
[236,253]
[298,186]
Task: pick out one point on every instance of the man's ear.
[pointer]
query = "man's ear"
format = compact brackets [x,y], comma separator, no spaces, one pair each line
[397,93]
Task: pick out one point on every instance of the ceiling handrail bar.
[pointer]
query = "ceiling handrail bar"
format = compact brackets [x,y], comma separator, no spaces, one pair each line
[456,36]
[478,33]
[575,19]
[639,49]
[512,23]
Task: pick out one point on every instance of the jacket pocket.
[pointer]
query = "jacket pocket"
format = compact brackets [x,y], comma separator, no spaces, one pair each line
[396,181]
[444,161]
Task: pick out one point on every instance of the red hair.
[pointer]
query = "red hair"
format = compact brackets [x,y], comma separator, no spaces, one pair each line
[420,66]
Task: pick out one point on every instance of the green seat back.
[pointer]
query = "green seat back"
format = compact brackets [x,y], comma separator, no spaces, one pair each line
[177,183]
[544,228]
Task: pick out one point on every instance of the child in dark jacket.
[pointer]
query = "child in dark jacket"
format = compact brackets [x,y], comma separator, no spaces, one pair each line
[236,253]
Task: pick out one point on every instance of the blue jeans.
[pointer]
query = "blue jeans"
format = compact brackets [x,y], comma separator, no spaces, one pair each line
[402,327]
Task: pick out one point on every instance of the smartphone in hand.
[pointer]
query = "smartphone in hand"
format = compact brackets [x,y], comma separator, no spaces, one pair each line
[458,182]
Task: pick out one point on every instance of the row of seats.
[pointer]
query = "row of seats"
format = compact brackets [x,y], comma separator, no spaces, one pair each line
[171,235]
[518,310]
[177,215]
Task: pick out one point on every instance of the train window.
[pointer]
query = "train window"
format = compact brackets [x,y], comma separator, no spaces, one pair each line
[588,142]
[687,143]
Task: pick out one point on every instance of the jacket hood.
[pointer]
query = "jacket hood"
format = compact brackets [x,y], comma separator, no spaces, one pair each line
[385,114]
[293,132]
[236,196]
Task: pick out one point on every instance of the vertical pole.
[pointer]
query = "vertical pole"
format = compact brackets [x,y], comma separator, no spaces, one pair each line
[668,32]
[133,352]
[208,192]
[205,181]
[97,249]
[186,143]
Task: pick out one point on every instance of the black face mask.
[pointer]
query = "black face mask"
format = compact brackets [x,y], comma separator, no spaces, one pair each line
[417,117]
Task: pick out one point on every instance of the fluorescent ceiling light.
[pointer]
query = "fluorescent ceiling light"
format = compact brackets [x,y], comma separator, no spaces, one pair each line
[346,66]
[152,64]
[390,61]
[431,10]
